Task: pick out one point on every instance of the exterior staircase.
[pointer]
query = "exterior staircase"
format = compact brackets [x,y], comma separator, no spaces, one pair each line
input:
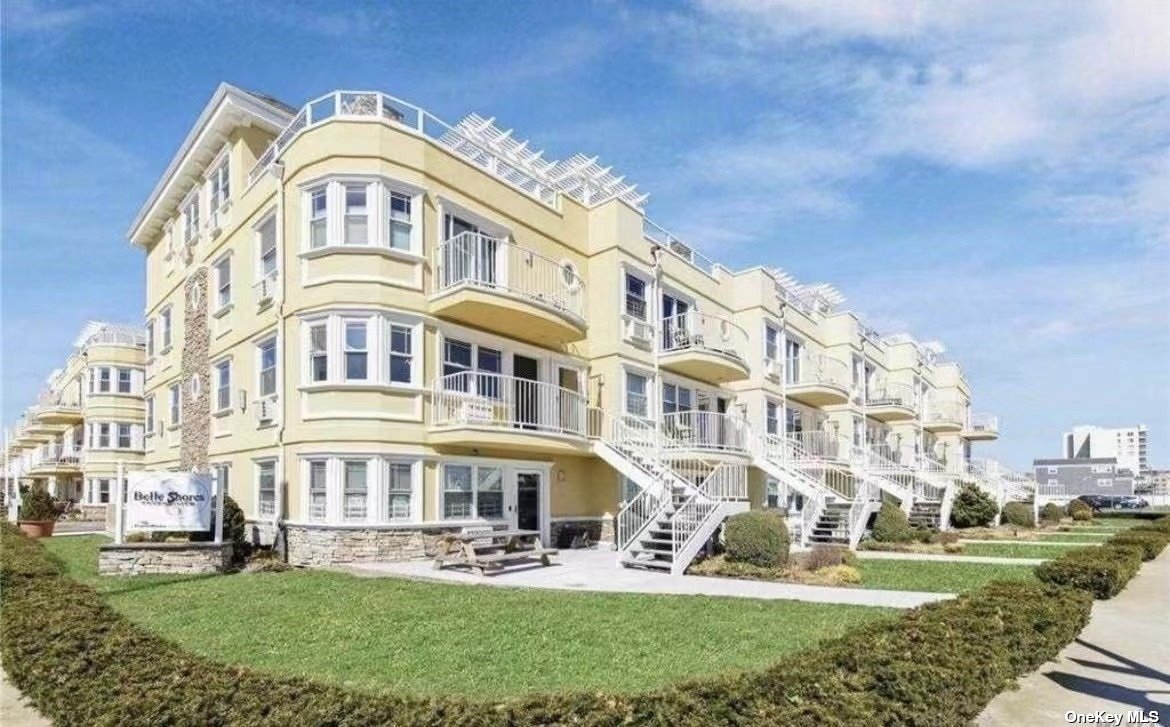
[832,526]
[926,514]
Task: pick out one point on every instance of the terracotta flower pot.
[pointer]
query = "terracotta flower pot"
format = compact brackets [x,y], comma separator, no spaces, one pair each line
[36,528]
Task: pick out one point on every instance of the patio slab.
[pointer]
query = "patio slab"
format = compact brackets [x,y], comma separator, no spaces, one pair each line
[598,570]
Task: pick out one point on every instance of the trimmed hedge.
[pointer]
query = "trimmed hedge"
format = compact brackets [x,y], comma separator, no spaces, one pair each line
[1019,514]
[1051,513]
[1075,506]
[757,537]
[79,662]
[1151,543]
[1131,514]
[1102,571]
[892,526]
[973,508]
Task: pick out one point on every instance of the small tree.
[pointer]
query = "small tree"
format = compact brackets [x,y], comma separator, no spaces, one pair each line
[758,537]
[1051,513]
[892,525]
[972,508]
[37,505]
[1018,514]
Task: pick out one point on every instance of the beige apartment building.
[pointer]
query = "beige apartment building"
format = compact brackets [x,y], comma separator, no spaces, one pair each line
[375,327]
[86,423]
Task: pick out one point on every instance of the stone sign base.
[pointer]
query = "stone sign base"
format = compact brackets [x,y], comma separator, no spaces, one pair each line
[322,546]
[137,559]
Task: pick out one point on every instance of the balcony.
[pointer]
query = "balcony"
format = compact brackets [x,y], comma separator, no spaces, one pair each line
[889,401]
[982,428]
[704,347]
[943,417]
[817,380]
[493,284]
[56,411]
[704,432]
[499,412]
[56,460]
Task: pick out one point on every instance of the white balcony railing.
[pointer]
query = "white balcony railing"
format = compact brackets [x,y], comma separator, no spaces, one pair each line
[817,369]
[704,431]
[944,412]
[702,331]
[889,393]
[816,445]
[472,398]
[59,455]
[265,288]
[472,259]
[984,423]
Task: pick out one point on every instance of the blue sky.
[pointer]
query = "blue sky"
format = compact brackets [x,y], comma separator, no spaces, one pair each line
[992,174]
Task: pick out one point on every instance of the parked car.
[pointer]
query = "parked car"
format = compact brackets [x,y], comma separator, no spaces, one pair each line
[1099,502]
[1132,502]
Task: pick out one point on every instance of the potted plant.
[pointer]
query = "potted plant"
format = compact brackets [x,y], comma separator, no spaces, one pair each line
[38,513]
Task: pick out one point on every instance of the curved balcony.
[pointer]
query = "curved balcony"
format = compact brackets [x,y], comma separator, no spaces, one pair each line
[705,432]
[57,461]
[705,347]
[499,412]
[57,412]
[817,380]
[982,428]
[943,417]
[890,401]
[496,285]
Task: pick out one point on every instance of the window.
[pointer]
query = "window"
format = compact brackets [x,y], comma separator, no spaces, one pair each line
[318,479]
[489,491]
[149,404]
[401,222]
[176,404]
[772,418]
[191,220]
[103,490]
[472,492]
[125,381]
[636,395]
[771,343]
[676,399]
[266,488]
[222,474]
[357,218]
[630,489]
[318,218]
[267,360]
[399,491]
[356,352]
[149,337]
[103,380]
[457,359]
[354,495]
[400,354]
[266,244]
[103,438]
[223,385]
[165,317]
[124,436]
[219,185]
[635,297]
[793,353]
[318,353]
[772,493]
[223,282]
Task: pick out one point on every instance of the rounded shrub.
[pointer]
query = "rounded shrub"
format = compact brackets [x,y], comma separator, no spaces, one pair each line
[757,537]
[1019,514]
[1079,506]
[1051,513]
[1082,516]
[235,529]
[37,505]
[972,508]
[892,525]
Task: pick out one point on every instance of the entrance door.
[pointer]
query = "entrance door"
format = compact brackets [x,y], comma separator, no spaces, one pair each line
[528,488]
[526,390]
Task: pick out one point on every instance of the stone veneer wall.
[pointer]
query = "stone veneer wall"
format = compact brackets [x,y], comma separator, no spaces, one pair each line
[136,559]
[318,546]
[196,433]
[600,531]
[94,513]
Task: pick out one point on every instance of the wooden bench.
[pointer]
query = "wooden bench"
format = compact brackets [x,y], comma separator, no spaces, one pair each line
[491,549]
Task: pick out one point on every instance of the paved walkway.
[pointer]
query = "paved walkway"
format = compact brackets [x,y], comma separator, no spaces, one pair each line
[597,570]
[13,711]
[947,557]
[1120,663]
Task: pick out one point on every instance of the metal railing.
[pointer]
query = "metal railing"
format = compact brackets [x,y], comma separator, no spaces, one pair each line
[948,412]
[704,431]
[890,393]
[479,399]
[726,481]
[813,369]
[817,445]
[703,331]
[265,287]
[58,455]
[473,259]
[983,423]
[816,455]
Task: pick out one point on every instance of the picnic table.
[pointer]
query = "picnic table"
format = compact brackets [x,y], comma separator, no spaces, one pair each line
[486,549]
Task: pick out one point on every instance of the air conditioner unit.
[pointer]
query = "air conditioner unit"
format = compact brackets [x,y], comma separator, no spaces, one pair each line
[214,223]
[635,330]
[265,410]
[772,368]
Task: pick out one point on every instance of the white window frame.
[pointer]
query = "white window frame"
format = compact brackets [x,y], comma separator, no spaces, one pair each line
[167,327]
[259,466]
[129,372]
[219,183]
[331,495]
[149,337]
[175,404]
[647,393]
[370,472]
[379,340]
[628,275]
[223,383]
[475,469]
[367,329]
[148,412]
[312,217]
[772,340]
[223,282]
[191,220]
[379,214]
[365,213]
[258,236]
[261,344]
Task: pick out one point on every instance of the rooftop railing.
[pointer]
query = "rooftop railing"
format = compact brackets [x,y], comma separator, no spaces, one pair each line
[476,260]
[704,331]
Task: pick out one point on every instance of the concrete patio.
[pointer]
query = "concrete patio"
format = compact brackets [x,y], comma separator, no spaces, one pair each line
[598,570]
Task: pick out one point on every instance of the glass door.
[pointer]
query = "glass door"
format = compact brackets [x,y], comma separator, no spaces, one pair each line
[526,514]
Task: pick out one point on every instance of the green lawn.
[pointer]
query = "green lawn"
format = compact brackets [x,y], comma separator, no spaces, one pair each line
[1076,537]
[936,577]
[1017,550]
[429,638]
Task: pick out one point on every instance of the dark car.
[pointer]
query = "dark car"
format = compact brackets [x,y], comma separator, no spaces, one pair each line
[1099,502]
[1132,502]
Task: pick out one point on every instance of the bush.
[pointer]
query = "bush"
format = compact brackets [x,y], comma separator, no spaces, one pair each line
[235,531]
[1082,516]
[973,508]
[946,537]
[1161,525]
[1079,506]
[757,537]
[79,662]
[892,525]
[1151,543]
[827,556]
[1051,513]
[1019,514]
[37,505]
[1102,571]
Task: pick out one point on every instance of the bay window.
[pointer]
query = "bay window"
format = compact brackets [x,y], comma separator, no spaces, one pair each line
[401,344]
[125,381]
[399,491]
[103,436]
[356,351]
[400,220]
[361,489]
[318,489]
[357,217]
[318,218]
[363,211]
[103,380]
[378,348]
[356,487]
[318,353]
[125,438]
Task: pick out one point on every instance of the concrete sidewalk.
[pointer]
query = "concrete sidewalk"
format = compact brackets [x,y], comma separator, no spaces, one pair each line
[13,711]
[598,570]
[947,557]
[1119,664]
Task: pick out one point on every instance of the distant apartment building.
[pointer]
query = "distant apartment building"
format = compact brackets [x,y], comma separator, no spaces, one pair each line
[1074,476]
[88,421]
[1127,445]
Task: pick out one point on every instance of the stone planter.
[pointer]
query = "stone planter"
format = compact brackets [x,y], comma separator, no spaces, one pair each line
[134,559]
[36,528]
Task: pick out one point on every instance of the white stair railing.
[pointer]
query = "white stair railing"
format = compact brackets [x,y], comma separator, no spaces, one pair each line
[725,482]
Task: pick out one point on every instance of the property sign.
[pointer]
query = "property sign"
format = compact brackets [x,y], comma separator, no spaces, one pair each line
[162,501]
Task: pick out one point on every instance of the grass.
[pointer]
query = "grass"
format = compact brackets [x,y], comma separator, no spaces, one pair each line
[937,577]
[1016,550]
[1075,537]
[429,638]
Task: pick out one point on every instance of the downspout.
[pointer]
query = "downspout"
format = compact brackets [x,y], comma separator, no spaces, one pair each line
[655,394]
[279,542]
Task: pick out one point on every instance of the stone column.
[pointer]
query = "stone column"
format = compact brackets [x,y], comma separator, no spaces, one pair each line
[196,434]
